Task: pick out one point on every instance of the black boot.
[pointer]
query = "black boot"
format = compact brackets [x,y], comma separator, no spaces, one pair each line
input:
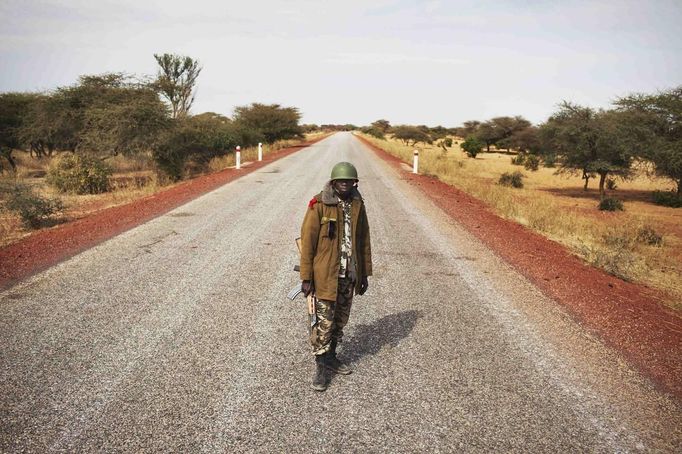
[334,364]
[320,378]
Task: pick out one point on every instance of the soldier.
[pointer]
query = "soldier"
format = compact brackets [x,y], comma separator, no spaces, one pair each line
[336,259]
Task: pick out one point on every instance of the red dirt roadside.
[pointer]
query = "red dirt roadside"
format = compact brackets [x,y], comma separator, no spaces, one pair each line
[627,316]
[48,247]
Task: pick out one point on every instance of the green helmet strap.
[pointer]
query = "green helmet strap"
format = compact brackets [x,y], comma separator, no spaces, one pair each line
[344,171]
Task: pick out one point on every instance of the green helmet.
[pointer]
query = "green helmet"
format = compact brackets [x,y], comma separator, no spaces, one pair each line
[344,171]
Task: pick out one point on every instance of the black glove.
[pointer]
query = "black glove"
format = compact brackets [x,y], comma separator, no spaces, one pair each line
[363,286]
[308,287]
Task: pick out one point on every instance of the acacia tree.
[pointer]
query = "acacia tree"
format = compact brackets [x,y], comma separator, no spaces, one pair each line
[488,133]
[414,134]
[271,121]
[128,125]
[589,141]
[381,125]
[14,108]
[655,122]
[505,127]
[438,132]
[176,79]
[525,140]
[468,128]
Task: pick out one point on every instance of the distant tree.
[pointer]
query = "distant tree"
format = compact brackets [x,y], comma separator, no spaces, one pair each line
[654,121]
[381,125]
[272,121]
[488,133]
[468,128]
[309,128]
[525,140]
[374,132]
[505,127]
[175,81]
[589,141]
[438,132]
[14,108]
[218,135]
[411,135]
[472,146]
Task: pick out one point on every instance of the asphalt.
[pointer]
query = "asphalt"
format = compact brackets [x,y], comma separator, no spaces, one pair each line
[177,336]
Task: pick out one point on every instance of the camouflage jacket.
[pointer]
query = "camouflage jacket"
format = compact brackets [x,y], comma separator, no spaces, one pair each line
[320,254]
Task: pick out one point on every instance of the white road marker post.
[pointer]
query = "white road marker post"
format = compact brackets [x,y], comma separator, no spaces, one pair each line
[260,151]
[415,162]
[238,154]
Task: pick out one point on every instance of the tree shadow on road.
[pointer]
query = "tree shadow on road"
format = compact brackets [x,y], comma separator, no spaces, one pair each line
[370,339]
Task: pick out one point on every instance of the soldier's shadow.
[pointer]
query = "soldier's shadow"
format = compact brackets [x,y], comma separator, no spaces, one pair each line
[371,338]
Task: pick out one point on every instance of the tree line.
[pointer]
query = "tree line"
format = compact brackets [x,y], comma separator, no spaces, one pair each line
[114,113]
[593,143]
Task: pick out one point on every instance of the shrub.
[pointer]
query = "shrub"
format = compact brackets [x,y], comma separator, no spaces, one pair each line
[518,160]
[79,174]
[472,146]
[611,184]
[647,235]
[515,179]
[616,255]
[668,199]
[447,142]
[33,209]
[550,160]
[611,204]
[532,163]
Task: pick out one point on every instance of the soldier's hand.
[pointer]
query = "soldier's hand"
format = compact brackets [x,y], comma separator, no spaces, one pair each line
[364,285]
[307,287]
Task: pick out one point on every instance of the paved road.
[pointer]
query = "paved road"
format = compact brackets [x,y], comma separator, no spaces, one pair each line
[177,337]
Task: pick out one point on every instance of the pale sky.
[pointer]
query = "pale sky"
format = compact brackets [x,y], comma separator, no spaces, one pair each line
[356,61]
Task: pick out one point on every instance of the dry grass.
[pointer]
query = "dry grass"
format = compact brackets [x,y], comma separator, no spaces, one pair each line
[642,244]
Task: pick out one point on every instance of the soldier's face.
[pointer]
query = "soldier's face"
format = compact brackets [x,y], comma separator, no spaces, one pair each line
[343,187]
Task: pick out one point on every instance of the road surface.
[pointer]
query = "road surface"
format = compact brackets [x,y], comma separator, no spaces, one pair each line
[176,336]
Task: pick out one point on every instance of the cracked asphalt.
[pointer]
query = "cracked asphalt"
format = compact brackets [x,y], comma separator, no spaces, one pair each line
[177,336]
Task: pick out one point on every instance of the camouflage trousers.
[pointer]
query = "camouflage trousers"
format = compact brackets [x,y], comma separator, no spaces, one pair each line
[332,316]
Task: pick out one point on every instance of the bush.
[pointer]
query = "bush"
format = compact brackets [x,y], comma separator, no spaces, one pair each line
[170,162]
[668,199]
[616,255]
[532,163]
[518,160]
[472,146]
[79,174]
[447,142]
[550,161]
[611,204]
[647,235]
[514,180]
[33,210]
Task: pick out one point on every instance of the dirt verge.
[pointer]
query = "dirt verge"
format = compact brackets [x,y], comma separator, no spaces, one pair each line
[628,317]
[48,247]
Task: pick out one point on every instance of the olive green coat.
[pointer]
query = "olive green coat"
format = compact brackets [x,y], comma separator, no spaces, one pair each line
[320,254]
